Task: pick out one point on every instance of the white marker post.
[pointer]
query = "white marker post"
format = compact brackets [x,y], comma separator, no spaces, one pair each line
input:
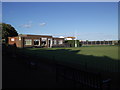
[75,41]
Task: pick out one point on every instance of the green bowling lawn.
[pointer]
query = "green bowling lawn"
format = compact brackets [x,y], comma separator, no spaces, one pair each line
[101,58]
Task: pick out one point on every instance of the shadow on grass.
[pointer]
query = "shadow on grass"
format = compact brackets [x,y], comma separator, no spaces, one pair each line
[18,74]
[71,58]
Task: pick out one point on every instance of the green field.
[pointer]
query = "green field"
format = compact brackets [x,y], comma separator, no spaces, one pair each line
[99,58]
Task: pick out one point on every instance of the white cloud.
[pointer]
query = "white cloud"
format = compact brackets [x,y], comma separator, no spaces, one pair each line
[42,24]
[27,25]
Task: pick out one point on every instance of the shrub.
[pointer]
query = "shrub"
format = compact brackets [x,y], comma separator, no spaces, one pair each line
[71,43]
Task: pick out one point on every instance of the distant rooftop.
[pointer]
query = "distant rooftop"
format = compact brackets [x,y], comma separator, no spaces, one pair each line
[69,37]
[32,35]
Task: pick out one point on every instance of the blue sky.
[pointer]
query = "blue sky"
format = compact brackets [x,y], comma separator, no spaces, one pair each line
[86,20]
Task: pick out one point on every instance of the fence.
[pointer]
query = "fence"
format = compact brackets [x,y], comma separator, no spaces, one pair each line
[72,77]
[80,79]
[68,77]
[99,42]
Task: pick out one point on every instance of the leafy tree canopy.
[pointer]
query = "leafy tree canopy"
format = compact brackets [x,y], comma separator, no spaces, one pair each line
[8,31]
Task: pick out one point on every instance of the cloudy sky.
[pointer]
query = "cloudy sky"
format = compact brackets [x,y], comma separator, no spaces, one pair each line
[86,20]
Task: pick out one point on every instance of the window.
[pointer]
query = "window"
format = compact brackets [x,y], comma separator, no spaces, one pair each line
[37,42]
[57,42]
[28,42]
[54,42]
[60,42]
[43,41]
[12,39]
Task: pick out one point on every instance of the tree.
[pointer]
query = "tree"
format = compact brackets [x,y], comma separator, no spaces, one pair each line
[8,31]
[71,43]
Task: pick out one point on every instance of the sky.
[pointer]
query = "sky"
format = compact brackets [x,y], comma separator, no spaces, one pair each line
[60,0]
[85,20]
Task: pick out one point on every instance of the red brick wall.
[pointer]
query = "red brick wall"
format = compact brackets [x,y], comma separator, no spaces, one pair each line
[10,40]
[20,43]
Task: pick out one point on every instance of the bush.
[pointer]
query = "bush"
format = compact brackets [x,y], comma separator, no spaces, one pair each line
[71,43]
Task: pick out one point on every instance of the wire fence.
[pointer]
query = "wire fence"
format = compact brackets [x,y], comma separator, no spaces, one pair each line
[70,77]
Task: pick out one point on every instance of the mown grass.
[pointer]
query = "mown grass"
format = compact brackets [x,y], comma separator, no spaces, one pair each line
[99,58]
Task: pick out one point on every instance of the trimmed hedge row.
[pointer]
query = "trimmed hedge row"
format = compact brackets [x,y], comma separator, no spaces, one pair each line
[71,43]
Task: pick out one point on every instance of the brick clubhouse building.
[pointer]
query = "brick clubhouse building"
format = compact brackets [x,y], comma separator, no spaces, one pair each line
[35,41]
